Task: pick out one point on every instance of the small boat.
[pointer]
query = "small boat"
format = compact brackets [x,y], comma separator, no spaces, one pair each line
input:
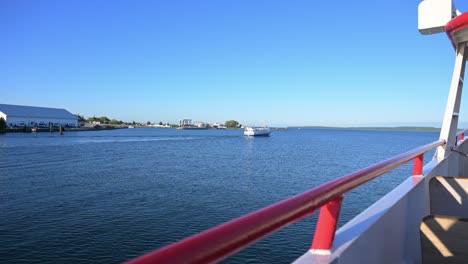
[131,127]
[34,129]
[257,131]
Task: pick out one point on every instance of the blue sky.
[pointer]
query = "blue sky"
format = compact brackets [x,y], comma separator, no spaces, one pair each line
[332,63]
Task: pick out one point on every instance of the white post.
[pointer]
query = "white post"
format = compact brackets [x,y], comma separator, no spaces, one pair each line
[450,124]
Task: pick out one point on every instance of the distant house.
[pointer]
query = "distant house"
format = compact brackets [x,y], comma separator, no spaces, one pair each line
[200,124]
[18,115]
[219,126]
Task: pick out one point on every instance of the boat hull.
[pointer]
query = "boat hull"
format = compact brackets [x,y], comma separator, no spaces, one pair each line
[257,132]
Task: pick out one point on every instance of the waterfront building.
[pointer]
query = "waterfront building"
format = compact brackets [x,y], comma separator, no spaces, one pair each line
[185,123]
[218,126]
[31,116]
[200,124]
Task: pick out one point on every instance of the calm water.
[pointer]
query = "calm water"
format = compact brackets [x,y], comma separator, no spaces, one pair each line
[108,196]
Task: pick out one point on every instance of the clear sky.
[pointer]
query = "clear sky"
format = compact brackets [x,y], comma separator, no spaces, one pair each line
[332,63]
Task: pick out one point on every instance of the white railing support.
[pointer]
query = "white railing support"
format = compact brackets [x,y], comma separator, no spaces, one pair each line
[450,124]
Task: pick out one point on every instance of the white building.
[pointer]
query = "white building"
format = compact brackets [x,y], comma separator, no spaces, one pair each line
[18,115]
[200,124]
[185,123]
[219,126]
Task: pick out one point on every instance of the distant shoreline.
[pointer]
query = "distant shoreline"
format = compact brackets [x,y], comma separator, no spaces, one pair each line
[401,128]
[56,129]
[112,127]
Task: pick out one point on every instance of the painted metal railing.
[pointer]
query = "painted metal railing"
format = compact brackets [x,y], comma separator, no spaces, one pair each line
[226,239]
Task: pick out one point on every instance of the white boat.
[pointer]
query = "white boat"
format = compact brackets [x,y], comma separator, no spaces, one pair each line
[257,131]
[422,220]
[131,127]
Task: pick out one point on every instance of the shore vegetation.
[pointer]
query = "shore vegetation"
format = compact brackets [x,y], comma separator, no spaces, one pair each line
[231,123]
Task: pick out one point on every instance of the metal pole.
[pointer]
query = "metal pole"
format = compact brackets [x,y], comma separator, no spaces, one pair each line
[418,165]
[450,123]
[326,227]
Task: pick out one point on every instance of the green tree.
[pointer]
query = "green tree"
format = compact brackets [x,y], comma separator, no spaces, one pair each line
[81,118]
[104,120]
[92,119]
[114,122]
[231,123]
[3,125]
[148,123]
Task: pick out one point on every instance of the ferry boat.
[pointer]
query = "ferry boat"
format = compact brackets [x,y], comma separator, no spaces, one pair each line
[257,131]
[423,220]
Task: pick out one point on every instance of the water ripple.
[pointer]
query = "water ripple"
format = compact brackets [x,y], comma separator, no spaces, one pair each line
[107,197]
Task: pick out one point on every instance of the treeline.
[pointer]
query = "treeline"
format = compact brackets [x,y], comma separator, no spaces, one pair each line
[103,120]
[231,124]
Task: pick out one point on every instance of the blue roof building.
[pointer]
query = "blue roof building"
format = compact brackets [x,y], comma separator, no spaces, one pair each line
[19,115]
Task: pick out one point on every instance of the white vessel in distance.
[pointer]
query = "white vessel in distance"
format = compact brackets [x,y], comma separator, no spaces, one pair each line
[257,131]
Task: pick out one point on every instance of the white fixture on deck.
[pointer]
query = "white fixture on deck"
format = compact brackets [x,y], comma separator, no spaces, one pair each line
[433,15]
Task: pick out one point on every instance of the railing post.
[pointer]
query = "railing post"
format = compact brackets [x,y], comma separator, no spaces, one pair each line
[418,165]
[326,227]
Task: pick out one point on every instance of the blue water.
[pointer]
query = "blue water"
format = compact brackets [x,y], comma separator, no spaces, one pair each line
[108,196]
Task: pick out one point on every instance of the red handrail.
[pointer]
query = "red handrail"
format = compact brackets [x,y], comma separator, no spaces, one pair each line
[226,239]
[455,25]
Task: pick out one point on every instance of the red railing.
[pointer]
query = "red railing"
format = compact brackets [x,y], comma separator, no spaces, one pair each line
[226,239]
